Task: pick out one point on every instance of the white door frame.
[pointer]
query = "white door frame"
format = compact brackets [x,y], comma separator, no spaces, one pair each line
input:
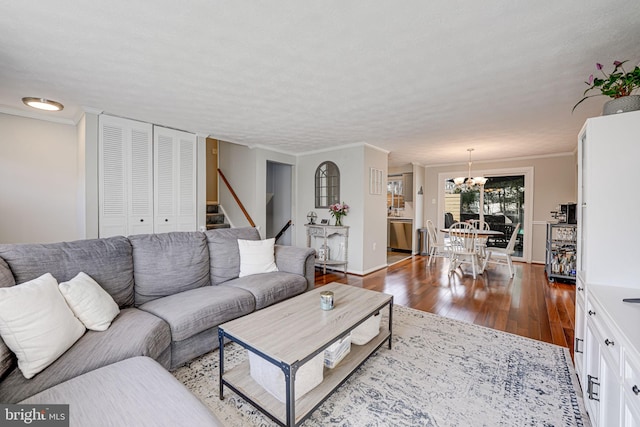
[528,200]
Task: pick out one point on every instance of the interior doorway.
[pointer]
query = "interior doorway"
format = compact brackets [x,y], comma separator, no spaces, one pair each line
[279,200]
[212,170]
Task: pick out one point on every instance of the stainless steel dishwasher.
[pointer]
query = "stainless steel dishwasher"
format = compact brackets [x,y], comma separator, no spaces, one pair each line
[401,234]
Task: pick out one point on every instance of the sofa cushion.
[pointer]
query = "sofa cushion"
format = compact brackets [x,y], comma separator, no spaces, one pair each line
[36,323]
[270,288]
[7,358]
[168,263]
[6,277]
[133,333]
[224,253]
[133,392]
[89,302]
[108,261]
[194,311]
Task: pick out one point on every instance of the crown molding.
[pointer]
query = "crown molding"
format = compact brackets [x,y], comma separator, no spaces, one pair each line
[509,159]
[35,115]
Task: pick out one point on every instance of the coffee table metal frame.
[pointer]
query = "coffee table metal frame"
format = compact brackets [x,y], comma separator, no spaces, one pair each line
[349,365]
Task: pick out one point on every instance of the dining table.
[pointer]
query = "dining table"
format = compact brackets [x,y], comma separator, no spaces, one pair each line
[479,234]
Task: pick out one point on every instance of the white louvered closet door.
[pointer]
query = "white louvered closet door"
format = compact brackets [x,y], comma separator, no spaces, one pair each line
[187,185]
[140,201]
[175,180]
[125,177]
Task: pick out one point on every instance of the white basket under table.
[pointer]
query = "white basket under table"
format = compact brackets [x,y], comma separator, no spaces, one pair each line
[292,333]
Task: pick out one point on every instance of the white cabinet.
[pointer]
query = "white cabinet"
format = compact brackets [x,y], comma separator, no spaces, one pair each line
[147,178]
[608,360]
[125,182]
[611,374]
[580,331]
[604,343]
[631,390]
[608,150]
[174,180]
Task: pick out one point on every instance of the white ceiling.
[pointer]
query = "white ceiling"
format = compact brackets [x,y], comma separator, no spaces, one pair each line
[424,80]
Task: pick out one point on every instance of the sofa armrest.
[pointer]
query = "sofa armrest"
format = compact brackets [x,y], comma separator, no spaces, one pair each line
[292,259]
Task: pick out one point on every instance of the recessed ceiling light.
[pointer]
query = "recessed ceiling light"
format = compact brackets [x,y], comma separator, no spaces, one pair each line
[42,104]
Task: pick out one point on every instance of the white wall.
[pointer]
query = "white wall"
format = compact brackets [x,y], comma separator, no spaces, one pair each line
[555,181]
[87,131]
[374,245]
[39,182]
[367,214]
[418,202]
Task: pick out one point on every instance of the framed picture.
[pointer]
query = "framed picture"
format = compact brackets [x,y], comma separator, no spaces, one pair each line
[324,222]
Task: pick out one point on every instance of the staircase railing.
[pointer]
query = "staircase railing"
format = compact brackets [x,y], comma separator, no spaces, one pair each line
[235,197]
[284,229]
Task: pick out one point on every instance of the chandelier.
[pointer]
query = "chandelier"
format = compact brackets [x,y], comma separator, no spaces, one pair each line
[468,181]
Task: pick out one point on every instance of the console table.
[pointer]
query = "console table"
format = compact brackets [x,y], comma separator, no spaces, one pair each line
[331,243]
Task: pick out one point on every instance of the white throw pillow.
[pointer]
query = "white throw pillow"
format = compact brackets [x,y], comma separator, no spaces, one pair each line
[89,302]
[257,256]
[37,324]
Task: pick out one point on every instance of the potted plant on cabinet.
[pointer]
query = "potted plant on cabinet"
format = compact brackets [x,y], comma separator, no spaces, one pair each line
[619,85]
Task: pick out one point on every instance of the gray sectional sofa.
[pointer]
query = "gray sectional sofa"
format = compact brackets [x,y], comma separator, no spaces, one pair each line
[173,290]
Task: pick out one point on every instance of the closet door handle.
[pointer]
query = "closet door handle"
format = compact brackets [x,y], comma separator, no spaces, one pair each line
[635,389]
[591,393]
[575,350]
[591,313]
[142,220]
[608,342]
[166,220]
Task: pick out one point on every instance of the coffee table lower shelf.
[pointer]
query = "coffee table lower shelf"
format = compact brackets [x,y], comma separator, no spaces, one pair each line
[239,380]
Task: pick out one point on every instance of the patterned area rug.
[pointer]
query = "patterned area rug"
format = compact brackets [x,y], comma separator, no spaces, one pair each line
[440,372]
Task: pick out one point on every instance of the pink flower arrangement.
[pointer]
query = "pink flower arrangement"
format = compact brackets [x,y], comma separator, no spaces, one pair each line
[338,210]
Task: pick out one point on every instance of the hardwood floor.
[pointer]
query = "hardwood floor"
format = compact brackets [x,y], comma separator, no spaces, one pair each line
[527,305]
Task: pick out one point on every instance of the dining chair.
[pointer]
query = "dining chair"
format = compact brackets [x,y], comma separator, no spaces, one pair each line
[481,242]
[436,247]
[463,239]
[503,254]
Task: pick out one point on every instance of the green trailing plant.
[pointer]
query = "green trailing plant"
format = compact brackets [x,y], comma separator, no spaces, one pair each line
[617,84]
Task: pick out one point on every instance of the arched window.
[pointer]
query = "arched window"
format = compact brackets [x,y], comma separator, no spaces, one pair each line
[327,185]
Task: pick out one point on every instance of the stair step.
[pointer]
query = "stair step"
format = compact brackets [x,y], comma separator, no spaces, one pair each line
[214,226]
[212,208]
[215,218]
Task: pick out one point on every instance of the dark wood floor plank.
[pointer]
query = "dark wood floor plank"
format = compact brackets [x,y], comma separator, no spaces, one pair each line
[527,305]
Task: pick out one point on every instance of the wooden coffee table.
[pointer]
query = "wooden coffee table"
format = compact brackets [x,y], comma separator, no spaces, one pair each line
[291,333]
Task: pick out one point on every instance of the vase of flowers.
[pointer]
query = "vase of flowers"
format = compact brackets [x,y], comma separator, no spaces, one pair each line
[619,85]
[338,210]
